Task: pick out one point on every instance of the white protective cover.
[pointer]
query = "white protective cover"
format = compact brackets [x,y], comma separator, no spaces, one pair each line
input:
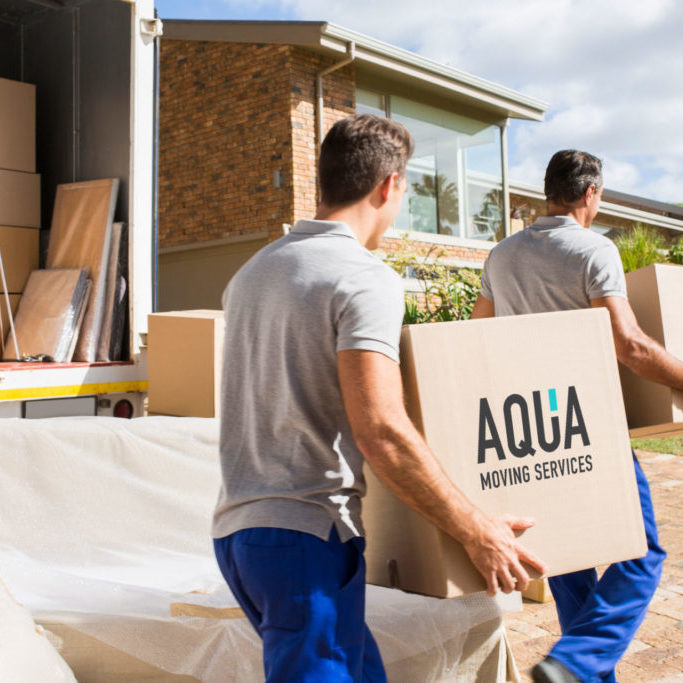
[104,523]
[25,652]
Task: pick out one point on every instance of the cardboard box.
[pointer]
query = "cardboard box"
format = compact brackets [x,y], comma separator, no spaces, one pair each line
[184,360]
[526,417]
[92,659]
[19,199]
[17,126]
[19,248]
[4,317]
[657,431]
[538,591]
[656,296]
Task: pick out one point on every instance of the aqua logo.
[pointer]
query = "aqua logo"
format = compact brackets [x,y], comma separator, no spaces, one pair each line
[526,428]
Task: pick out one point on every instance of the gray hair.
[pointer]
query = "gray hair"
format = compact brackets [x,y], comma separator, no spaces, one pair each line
[569,174]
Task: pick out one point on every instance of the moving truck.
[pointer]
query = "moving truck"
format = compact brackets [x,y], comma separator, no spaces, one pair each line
[94,67]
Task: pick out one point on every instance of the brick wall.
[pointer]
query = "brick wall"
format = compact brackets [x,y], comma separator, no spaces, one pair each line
[231,116]
[339,98]
[224,131]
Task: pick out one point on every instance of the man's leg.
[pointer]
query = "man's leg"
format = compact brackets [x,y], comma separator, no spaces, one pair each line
[306,599]
[570,592]
[596,633]
[373,668]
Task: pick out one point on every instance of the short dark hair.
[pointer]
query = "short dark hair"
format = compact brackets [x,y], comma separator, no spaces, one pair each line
[357,154]
[569,174]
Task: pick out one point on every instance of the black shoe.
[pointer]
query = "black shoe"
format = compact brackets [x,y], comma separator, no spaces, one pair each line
[551,671]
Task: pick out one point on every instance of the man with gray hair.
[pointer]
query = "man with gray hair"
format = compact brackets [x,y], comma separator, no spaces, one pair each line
[557,264]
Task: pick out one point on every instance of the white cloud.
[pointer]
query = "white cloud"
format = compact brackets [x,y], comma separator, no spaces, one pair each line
[610,69]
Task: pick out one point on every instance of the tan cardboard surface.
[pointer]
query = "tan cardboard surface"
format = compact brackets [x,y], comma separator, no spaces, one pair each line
[94,660]
[538,591]
[4,317]
[17,126]
[80,237]
[47,316]
[184,360]
[19,199]
[19,249]
[189,609]
[525,414]
[655,295]
[655,431]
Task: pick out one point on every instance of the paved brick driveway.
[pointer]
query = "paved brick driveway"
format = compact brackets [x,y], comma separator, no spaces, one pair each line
[657,652]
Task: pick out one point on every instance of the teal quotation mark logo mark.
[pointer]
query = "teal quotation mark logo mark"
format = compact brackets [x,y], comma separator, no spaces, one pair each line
[552,397]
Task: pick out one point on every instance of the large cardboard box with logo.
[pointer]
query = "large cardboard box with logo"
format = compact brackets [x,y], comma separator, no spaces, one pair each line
[526,416]
[184,360]
[656,296]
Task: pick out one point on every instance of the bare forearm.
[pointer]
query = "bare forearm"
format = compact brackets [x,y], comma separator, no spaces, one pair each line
[636,350]
[371,386]
[401,459]
[650,360]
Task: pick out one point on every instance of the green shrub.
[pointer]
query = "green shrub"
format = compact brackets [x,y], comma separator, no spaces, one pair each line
[640,247]
[446,293]
[675,254]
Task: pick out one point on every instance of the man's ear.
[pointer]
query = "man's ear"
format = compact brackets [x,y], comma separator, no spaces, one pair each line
[386,186]
[590,192]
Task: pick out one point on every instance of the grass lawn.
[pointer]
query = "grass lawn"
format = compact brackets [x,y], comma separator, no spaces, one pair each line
[669,444]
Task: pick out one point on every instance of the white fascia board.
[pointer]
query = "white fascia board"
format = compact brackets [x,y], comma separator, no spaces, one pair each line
[409,64]
[375,53]
[637,215]
[608,209]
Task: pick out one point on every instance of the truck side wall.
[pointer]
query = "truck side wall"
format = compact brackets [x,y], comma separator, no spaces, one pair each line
[80,62]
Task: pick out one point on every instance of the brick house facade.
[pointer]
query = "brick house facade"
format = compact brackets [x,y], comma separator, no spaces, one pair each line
[237,149]
[238,139]
[238,143]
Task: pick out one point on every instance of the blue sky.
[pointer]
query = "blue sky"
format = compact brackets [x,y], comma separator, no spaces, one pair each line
[611,70]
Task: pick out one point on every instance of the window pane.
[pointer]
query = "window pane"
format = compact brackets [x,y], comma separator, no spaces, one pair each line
[454,177]
[368,102]
[484,185]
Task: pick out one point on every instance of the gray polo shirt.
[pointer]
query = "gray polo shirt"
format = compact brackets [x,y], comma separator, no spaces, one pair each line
[554,265]
[288,458]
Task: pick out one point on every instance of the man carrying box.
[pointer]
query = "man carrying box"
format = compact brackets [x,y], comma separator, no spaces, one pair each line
[557,264]
[312,388]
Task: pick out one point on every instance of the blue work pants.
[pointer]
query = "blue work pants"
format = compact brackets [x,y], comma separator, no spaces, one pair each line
[600,618]
[306,599]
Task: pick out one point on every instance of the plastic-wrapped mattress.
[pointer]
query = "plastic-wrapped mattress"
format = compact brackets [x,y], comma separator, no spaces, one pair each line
[104,537]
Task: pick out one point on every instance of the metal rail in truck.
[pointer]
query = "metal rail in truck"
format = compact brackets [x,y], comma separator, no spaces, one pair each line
[94,64]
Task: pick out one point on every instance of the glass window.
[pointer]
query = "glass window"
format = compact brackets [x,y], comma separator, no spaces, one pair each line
[454,176]
[368,102]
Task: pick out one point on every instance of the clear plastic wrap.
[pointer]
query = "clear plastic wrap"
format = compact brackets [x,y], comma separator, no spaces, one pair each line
[50,314]
[104,524]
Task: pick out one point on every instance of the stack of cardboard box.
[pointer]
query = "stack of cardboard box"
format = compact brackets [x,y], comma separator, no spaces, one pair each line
[19,191]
